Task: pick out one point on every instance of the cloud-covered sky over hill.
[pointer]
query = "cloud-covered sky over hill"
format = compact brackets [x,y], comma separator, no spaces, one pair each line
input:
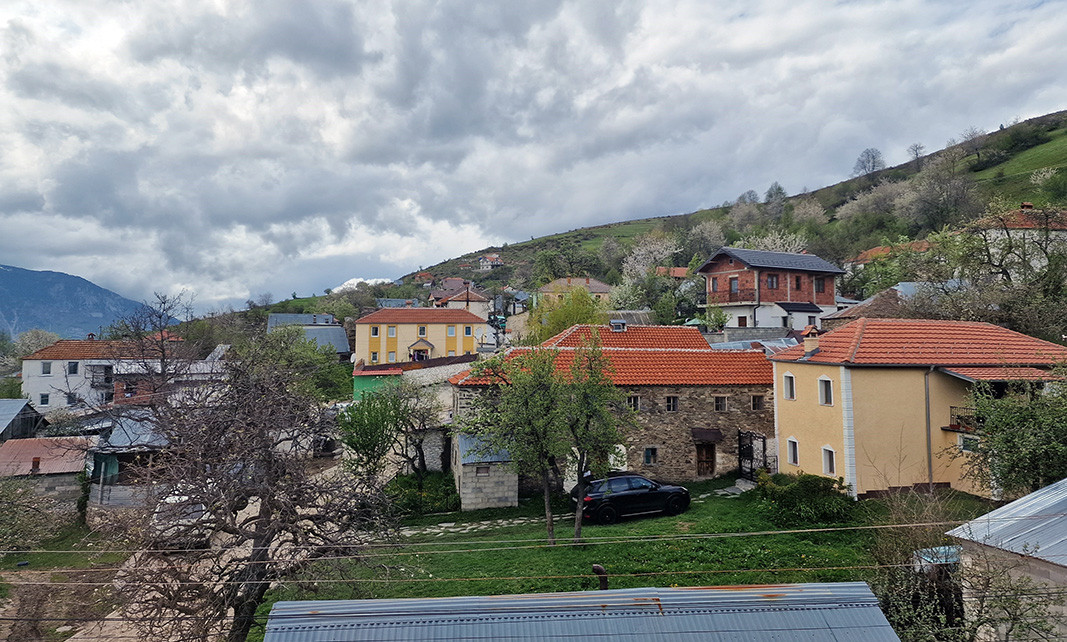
[233,148]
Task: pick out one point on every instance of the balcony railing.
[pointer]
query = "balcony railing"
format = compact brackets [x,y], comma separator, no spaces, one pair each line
[736,296]
[963,419]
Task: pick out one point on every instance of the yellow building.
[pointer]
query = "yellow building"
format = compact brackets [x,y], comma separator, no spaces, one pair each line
[883,403]
[393,335]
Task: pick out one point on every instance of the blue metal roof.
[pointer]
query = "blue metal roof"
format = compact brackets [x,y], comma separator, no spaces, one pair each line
[1034,525]
[468,454]
[278,319]
[129,433]
[832,611]
[9,409]
[333,336]
[398,303]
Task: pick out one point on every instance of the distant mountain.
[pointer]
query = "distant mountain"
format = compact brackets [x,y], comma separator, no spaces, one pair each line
[62,303]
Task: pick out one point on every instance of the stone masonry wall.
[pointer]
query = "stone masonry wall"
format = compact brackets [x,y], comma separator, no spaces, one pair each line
[500,488]
[670,432]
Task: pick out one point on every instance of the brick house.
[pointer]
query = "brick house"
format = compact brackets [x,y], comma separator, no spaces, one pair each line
[689,401]
[770,289]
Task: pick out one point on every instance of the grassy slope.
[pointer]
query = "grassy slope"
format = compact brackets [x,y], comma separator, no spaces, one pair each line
[1011,179]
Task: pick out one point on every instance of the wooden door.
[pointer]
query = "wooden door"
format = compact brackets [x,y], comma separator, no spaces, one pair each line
[705,460]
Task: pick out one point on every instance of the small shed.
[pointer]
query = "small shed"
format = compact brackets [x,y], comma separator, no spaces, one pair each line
[830,611]
[482,480]
[19,419]
[52,463]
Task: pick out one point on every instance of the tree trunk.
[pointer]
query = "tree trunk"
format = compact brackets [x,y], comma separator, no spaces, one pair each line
[548,507]
[580,505]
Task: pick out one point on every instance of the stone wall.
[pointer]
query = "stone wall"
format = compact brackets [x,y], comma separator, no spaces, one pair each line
[670,432]
[486,486]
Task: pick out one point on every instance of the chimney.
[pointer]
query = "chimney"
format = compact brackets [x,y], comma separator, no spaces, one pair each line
[811,340]
[35,466]
[91,337]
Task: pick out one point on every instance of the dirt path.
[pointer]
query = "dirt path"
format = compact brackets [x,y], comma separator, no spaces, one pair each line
[52,603]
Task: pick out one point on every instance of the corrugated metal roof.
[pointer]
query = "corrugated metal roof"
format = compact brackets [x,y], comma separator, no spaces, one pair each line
[831,611]
[57,455]
[277,319]
[1034,525]
[799,306]
[468,454]
[129,434]
[331,336]
[9,409]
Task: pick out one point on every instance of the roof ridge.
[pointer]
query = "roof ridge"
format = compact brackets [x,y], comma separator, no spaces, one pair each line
[856,342]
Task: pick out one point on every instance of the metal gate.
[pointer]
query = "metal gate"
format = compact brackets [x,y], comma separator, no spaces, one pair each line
[751,453]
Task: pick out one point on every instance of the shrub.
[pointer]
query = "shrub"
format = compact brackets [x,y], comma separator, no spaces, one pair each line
[797,500]
[438,494]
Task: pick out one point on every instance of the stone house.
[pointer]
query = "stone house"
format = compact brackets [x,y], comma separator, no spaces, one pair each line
[50,464]
[690,402]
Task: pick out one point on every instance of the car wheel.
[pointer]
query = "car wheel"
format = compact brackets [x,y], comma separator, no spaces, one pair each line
[607,515]
[675,505]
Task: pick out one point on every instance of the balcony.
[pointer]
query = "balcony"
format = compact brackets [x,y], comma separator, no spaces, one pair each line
[101,376]
[736,296]
[962,419]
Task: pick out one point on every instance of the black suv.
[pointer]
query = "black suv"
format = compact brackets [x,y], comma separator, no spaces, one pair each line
[629,494]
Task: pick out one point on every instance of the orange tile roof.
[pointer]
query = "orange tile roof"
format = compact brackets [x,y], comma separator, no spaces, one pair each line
[420,315]
[662,367]
[85,349]
[635,336]
[565,283]
[867,256]
[1002,374]
[925,342]
[674,272]
[1023,219]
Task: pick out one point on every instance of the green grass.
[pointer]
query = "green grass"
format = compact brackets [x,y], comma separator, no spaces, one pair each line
[77,544]
[1011,178]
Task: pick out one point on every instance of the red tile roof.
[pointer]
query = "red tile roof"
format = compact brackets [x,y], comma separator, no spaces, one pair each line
[85,349]
[420,315]
[662,367]
[674,272]
[569,282]
[925,342]
[1023,219]
[635,336]
[57,455]
[867,256]
[1002,374]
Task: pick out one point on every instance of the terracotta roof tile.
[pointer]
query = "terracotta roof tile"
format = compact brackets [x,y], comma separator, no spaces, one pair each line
[635,336]
[1003,374]
[85,349]
[1023,219]
[420,315]
[925,342]
[663,367]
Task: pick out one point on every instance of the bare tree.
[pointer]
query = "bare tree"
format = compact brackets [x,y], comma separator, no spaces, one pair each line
[870,160]
[236,475]
[971,140]
[916,152]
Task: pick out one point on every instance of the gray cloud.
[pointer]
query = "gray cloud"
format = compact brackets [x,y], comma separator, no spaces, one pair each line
[237,148]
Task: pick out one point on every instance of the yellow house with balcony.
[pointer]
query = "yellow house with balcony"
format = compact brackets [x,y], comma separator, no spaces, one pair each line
[394,335]
[883,403]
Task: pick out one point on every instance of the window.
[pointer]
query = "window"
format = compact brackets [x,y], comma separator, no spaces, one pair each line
[634,402]
[672,404]
[811,320]
[820,284]
[829,466]
[44,399]
[468,331]
[968,443]
[714,284]
[789,385]
[651,456]
[800,282]
[374,357]
[374,331]
[772,281]
[422,331]
[720,404]
[46,367]
[733,285]
[392,331]
[481,471]
[72,367]
[451,330]
[451,353]
[826,391]
[792,451]
[785,321]
[742,321]
[71,399]
[392,357]
[640,483]
[758,402]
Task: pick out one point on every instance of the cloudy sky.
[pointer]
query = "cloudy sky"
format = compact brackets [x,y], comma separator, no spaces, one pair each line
[232,148]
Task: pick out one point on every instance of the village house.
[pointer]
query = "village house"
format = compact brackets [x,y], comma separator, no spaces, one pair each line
[556,290]
[489,261]
[770,289]
[692,404]
[883,403]
[73,372]
[50,464]
[394,335]
[19,419]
